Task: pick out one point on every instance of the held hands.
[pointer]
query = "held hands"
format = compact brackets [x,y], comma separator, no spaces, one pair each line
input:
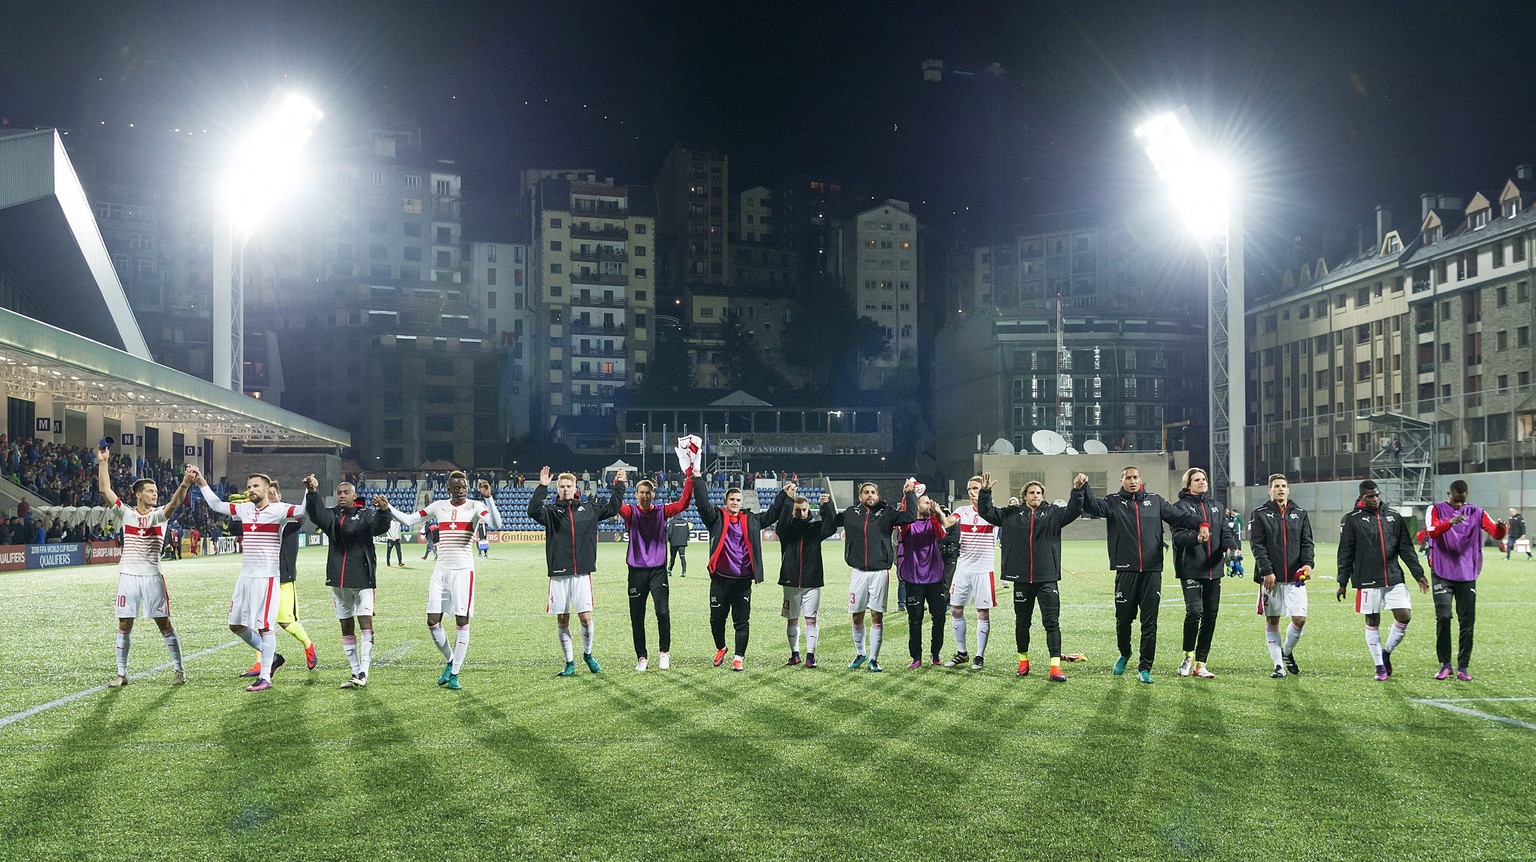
[825,498]
[544,477]
[621,476]
[196,475]
[908,486]
[381,502]
[311,484]
[1079,480]
[791,490]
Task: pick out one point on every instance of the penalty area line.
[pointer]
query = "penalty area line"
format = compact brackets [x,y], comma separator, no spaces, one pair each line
[71,698]
[1451,704]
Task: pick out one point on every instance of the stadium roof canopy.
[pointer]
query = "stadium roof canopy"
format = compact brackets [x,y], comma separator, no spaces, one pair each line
[67,331]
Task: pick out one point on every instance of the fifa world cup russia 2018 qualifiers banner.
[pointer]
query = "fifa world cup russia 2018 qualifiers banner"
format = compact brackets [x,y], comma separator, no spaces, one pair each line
[56,555]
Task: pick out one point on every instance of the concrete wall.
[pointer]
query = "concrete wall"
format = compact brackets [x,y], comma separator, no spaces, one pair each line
[289,470]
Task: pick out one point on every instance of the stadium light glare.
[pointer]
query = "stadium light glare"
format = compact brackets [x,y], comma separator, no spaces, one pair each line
[266,165]
[1199,183]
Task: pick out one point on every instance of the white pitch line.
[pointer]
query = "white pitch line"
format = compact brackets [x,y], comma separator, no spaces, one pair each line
[1447,705]
[71,698]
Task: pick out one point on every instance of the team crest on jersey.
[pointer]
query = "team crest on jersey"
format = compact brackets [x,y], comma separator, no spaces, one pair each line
[1146,502]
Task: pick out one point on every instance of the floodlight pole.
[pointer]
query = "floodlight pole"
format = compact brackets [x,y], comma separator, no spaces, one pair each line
[229,311]
[1227,338]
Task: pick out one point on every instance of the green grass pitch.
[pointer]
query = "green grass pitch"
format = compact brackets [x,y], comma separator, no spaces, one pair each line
[774,763]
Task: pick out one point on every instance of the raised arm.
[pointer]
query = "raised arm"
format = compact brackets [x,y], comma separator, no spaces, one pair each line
[212,499]
[492,514]
[408,519]
[908,511]
[104,478]
[678,506]
[323,519]
[536,508]
[1093,505]
[1074,508]
[830,518]
[615,498]
[707,511]
[178,496]
[984,507]
[781,504]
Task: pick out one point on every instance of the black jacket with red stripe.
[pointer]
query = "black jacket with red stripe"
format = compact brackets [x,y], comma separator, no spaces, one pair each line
[867,532]
[1371,542]
[350,560]
[1031,537]
[800,543]
[1281,542]
[1193,558]
[715,520]
[570,529]
[1134,523]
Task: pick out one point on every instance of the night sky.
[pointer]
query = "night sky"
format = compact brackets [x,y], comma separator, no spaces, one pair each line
[1327,110]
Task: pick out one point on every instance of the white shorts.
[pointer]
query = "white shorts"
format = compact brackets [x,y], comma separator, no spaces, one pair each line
[255,603]
[1373,600]
[570,594]
[451,591]
[1285,600]
[142,596]
[973,586]
[352,603]
[800,602]
[866,591]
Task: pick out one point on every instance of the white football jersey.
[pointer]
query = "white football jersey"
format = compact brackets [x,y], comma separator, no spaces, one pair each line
[978,539]
[143,538]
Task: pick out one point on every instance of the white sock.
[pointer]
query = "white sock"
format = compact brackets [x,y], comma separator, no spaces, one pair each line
[812,631]
[440,638]
[122,653]
[958,624]
[565,643]
[349,646]
[858,639]
[1272,640]
[268,651]
[1292,635]
[586,638]
[792,629]
[876,632]
[1395,636]
[250,636]
[173,646]
[460,646]
[1373,643]
[983,627]
[365,649]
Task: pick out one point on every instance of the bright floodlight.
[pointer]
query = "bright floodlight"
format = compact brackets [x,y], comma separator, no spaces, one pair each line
[1197,182]
[266,165]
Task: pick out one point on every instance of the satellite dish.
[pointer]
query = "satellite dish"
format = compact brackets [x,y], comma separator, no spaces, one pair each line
[1001,446]
[1048,442]
[1071,450]
[1095,447]
[1062,503]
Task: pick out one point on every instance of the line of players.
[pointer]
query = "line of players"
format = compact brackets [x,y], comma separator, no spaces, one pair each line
[1373,542]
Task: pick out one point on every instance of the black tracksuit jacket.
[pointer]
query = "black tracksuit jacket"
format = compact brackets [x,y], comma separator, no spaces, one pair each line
[570,529]
[1135,527]
[1031,537]
[800,543]
[1193,558]
[1370,545]
[1281,543]
[350,560]
[867,532]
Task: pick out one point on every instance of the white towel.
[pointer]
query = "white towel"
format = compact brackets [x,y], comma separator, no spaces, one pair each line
[690,454]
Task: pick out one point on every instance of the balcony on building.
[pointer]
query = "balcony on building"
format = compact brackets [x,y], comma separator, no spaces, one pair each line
[583,230]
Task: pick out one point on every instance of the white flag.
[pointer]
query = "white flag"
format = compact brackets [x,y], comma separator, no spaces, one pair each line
[690,454]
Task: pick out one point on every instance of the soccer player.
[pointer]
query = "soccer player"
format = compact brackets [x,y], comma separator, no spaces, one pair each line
[392,539]
[735,563]
[141,587]
[351,566]
[677,544]
[1198,558]
[288,599]
[1031,539]
[1456,557]
[1281,540]
[570,551]
[867,527]
[452,587]
[1516,529]
[1134,521]
[974,582]
[920,568]
[800,569]
[256,590]
[1372,540]
[647,525]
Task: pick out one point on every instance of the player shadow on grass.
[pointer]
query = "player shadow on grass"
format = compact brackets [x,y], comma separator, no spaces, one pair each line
[68,774]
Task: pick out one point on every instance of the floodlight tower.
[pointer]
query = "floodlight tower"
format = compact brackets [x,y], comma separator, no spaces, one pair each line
[265,168]
[1201,191]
